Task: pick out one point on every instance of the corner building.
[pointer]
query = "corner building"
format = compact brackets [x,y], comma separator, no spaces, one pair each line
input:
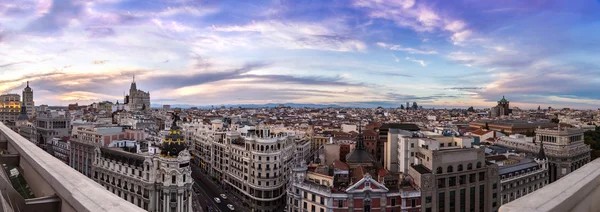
[453,176]
[155,182]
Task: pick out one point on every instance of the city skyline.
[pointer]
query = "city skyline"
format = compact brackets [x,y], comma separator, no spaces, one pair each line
[355,53]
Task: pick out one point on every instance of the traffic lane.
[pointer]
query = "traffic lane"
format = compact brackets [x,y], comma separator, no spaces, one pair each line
[207,199]
[218,191]
[211,193]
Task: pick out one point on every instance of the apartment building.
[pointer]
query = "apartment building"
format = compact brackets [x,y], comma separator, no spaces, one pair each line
[452,175]
[85,139]
[51,124]
[155,182]
[564,147]
[253,162]
[10,107]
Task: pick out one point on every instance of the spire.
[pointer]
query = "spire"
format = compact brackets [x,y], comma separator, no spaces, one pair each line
[360,143]
[542,154]
[133,78]
[28,84]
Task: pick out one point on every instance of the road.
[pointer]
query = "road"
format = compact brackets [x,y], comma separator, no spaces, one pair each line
[208,190]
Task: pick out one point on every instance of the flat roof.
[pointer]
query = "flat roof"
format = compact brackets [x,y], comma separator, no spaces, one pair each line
[421,169]
[523,165]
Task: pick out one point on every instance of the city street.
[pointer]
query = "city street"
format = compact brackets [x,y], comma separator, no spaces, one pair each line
[209,190]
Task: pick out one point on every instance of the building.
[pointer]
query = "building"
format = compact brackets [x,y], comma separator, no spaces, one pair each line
[358,185]
[564,147]
[454,176]
[10,107]
[28,100]
[512,126]
[520,176]
[155,182]
[137,100]
[502,109]
[85,139]
[251,161]
[51,124]
[60,149]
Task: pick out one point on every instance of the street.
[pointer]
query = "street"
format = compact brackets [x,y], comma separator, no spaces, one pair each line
[208,190]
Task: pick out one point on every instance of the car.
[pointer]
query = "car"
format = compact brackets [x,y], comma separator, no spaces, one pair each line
[217,200]
[223,196]
[230,207]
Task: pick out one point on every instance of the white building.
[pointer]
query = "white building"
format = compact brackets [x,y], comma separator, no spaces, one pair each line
[253,162]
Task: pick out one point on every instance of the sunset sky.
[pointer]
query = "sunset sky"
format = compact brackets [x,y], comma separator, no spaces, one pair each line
[357,53]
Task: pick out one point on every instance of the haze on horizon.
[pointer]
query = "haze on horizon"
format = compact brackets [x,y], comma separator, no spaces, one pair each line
[358,52]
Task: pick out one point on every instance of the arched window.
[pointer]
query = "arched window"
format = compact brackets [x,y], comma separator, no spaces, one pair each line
[439,170]
[449,169]
[459,168]
[469,166]
[478,164]
[262,148]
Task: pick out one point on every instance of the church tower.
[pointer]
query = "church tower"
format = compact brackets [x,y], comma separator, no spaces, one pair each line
[28,101]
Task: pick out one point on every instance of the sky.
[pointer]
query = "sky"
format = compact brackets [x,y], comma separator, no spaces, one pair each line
[364,53]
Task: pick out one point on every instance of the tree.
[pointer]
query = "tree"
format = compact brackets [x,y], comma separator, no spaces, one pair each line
[471,109]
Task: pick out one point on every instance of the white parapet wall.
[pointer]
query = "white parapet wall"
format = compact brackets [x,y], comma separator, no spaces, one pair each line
[578,191]
[47,175]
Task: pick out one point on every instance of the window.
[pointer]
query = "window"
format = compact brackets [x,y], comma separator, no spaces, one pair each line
[393,201]
[439,170]
[494,186]
[173,179]
[441,199]
[441,183]
[449,169]
[412,145]
[460,167]
[481,176]
[441,144]
[469,166]
[478,164]
[452,181]
[340,203]
[428,199]
[462,179]
[412,154]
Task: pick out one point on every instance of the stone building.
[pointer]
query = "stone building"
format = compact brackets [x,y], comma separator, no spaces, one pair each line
[361,184]
[85,139]
[10,108]
[251,161]
[137,100]
[28,100]
[453,176]
[60,149]
[522,177]
[51,124]
[502,109]
[564,147]
[155,182]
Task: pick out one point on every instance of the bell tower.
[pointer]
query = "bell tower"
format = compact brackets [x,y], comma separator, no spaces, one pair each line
[28,100]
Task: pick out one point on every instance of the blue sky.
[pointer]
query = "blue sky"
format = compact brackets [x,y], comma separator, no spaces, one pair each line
[361,52]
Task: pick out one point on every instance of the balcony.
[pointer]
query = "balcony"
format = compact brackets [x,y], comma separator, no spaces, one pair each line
[578,191]
[55,186]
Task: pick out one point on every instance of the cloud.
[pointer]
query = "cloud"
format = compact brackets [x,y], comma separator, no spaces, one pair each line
[57,18]
[420,62]
[99,62]
[298,35]
[100,32]
[421,18]
[405,49]
[13,63]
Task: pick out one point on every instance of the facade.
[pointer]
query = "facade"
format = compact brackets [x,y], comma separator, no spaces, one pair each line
[523,177]
[455,177]
[85,139]
[10,108]
[28,100]
[60,149]
[513,126]
[137,100]
[51,124]
[502,109]
[251,161]
[564,147]
[358,185]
